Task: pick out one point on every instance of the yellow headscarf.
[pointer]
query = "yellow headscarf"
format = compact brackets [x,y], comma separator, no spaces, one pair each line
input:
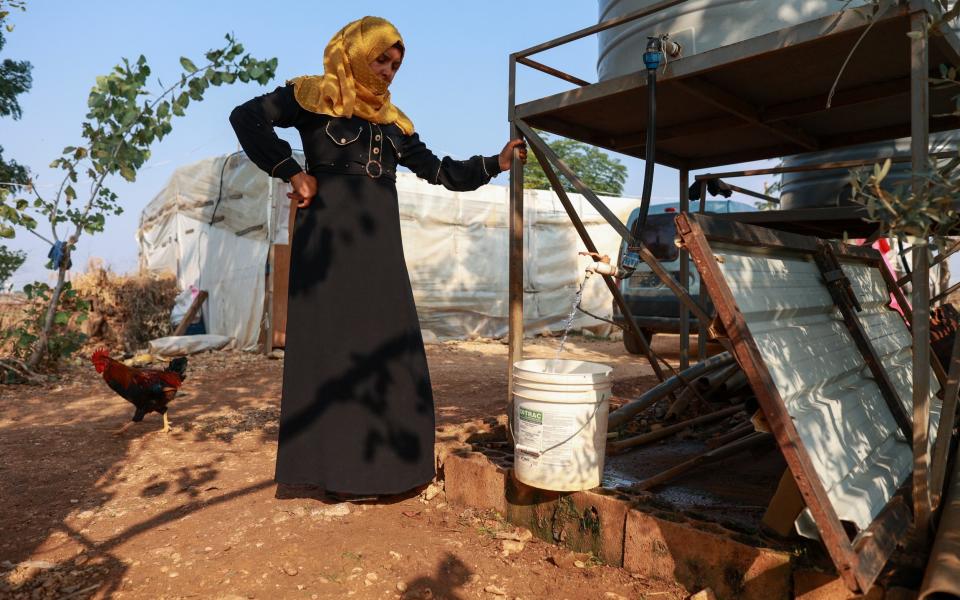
[348,85]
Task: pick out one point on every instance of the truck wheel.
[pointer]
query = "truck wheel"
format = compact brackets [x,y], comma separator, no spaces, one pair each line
[632,344]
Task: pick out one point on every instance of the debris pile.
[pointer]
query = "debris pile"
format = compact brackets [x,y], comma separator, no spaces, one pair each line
[126,311]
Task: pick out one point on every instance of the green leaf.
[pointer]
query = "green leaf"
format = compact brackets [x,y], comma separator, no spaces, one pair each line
[62,318]
[188,64]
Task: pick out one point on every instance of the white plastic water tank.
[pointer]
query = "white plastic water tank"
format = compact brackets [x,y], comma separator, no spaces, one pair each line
[703,25]
[698,25]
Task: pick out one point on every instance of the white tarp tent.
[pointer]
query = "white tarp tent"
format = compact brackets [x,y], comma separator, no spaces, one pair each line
[214,221]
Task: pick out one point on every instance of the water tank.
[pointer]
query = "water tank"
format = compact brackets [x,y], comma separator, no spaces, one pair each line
[814,189]
[703,25]
[698,25]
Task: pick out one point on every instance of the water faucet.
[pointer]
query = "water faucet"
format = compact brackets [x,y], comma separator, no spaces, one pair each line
[602,266]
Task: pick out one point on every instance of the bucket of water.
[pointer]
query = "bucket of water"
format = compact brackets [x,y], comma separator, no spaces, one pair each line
[560,422]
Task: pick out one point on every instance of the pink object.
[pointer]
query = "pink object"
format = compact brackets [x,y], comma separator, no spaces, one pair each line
[883,246]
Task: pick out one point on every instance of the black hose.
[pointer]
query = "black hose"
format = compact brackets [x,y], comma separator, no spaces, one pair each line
[903,258]
[649,151]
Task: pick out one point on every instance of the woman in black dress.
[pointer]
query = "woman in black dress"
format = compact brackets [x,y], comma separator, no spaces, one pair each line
[357,414]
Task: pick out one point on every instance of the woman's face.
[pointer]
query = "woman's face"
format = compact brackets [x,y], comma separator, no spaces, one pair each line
[386,65]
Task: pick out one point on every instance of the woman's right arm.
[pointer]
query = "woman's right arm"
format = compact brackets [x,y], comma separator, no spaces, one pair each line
[253,121]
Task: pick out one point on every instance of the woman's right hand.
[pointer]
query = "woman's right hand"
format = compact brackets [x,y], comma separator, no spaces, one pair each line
[304,189]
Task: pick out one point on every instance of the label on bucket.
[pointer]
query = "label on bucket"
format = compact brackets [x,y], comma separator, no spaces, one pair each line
[531,427]
[552,439]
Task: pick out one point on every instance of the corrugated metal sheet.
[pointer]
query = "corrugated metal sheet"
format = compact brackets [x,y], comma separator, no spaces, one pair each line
[847,429]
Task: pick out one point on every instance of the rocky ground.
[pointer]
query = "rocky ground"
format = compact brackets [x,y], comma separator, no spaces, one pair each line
[195,513]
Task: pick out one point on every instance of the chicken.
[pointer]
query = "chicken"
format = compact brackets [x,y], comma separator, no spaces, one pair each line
[150,390]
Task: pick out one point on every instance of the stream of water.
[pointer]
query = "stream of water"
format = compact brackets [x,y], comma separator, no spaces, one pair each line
[568,324]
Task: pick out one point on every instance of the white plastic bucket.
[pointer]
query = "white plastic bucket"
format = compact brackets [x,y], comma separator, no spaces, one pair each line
[560,410]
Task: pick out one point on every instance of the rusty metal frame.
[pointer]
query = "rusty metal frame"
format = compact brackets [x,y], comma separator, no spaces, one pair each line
[858,561]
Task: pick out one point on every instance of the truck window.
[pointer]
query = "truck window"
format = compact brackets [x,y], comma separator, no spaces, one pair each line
[658,237]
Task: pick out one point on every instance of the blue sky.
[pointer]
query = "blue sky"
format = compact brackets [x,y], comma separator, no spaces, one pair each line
[453,82]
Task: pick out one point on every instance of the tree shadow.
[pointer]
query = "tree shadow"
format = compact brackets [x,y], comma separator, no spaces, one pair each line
[451,577]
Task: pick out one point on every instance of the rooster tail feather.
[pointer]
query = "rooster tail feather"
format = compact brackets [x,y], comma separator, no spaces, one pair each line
[178,366]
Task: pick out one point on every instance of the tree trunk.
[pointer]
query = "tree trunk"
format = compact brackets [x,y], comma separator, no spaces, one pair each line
[40,347]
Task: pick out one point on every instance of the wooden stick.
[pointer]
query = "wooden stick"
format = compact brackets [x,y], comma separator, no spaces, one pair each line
[20,369]
[191,313]
[740,445]
[734,434]
[646,438]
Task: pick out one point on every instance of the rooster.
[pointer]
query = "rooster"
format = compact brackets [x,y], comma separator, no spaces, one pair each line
[150,390]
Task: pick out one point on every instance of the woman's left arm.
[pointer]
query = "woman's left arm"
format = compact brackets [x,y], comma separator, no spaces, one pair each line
[456,175]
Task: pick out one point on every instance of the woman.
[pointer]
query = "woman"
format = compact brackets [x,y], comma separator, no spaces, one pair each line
[357,415]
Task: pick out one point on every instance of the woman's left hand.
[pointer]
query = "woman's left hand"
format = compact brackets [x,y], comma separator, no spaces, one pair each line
[506,155]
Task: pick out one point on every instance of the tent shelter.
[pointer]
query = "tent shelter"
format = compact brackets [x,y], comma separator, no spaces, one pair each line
[219,222]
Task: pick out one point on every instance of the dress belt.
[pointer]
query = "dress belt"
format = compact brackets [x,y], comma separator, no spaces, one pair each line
[373,169]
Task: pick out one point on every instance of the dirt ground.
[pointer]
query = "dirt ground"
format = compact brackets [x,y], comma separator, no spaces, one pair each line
[195,513]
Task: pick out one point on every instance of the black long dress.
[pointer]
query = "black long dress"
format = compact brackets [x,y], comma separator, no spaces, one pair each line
[357,411]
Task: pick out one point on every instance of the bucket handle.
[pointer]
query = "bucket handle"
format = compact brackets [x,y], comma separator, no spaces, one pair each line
[572,435]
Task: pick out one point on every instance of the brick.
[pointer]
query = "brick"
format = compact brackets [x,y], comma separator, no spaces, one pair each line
[471,479]
[597,525]
[674,551]
[809,584]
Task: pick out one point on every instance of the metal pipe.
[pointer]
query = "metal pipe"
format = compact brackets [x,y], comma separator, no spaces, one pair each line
[539,145]
[842,164]
[919,149]
[945,293]
[948,413]
[684,276]
[582,33]
[697,390]
[634,407]
[942,579]
[515,253]
[702,292]
[939,259]
[551,71]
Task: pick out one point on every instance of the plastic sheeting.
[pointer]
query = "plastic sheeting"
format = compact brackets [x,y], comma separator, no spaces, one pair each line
[210,226]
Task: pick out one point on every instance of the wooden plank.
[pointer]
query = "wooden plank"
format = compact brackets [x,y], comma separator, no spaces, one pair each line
[876,543]
[281,287]
[191,313]
[788,438]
